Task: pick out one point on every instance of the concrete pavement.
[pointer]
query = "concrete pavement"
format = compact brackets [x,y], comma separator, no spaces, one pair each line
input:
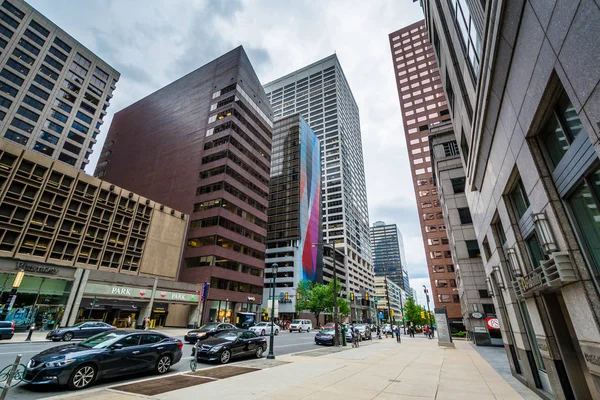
[416,369]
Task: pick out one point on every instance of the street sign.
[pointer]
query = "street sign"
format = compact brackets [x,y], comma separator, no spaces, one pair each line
[377,298]
[380,315]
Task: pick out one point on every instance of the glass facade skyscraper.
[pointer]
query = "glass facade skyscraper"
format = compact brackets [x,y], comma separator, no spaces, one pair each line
[388,254]
[321,94]
[294,212]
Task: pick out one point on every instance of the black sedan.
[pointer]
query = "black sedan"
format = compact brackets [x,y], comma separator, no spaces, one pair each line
[226,345]
[106,355]
[82,330]
[206,331]
[325,336]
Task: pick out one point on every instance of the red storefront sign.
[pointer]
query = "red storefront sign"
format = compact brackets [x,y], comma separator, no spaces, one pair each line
[492,323]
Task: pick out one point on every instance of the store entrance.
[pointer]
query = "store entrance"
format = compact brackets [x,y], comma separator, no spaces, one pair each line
[119,313]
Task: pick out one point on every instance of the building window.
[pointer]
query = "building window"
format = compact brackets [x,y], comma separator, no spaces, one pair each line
[470,38]
[43,149]
[536,254]
[473,248]
[584,205]
[465,215]
[458,185]
[562,128]
[483,294]
[519,199]
[450,148]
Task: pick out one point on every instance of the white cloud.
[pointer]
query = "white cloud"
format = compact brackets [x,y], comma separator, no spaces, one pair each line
[154,42]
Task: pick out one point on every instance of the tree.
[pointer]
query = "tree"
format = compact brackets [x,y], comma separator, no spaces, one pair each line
[318,298]
[412,312]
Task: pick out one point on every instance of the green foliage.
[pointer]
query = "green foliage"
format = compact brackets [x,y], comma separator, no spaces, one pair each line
[317,298]
[412,311]
[459,334]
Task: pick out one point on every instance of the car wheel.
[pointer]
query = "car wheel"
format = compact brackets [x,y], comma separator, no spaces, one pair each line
[276,332]
[67,336]
[163,364]
[82,377]
[225,356]
[307,330]
[259,352]
[262,333]
[290,331]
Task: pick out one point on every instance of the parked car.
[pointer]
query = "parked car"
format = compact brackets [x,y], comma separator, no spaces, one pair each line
[206,331]
[364,331]
[7,329]
[82,330]
[325,336]
[108,354]
[225,345]
[301,325]
[264,328]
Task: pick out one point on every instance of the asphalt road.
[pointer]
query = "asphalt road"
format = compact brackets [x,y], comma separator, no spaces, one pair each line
[285,343]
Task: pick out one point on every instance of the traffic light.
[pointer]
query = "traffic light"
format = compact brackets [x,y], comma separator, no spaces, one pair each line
[367,296]
[392,313]
[287,296]
[423,314]
[298,296]
[351,296]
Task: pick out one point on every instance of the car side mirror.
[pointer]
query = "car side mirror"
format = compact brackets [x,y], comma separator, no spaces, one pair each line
[116,346]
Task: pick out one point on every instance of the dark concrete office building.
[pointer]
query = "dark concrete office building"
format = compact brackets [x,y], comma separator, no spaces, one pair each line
[387,248]
[423,104]
[202,145]
[522,80]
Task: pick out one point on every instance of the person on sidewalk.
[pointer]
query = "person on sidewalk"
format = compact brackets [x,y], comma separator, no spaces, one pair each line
[426,331]
[398,334]
[357,337]
[378,332]
[431,335]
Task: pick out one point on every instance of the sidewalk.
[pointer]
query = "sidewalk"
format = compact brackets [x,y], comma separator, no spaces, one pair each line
[416,369]
[40,336]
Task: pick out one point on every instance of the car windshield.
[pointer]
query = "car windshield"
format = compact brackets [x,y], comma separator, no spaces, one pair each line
[327,331]
[261,324]
[209,326]
[77,325]
[231,336]
[101,341]
[297,321]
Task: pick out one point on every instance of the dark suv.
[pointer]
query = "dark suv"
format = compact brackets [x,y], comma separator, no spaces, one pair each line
[7,329]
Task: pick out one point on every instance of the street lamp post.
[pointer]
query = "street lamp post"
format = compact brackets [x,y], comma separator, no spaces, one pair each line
[428,312]
[336,337]
[271,355]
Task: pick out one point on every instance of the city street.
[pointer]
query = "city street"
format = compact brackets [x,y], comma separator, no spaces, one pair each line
[285,343]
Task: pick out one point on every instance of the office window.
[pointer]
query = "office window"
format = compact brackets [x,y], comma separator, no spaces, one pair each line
[470,38]
[62,45]
[24,56]
[66,158]
[450,148]
[63,106]
[39,28]
[35,38]
[6,32]
[72,148]
[3,43]
[57,53]
[562,128]
[52,62]
[17,66]
[6,88]
[473,248]
[42,148]
[84,117]
[80,127]
[465,215]
[48,137]
[16,137]
[22,125]
[38,92]
[519,199]
[2,115]
[4,102]
[536,254]
[12,77]
[8,19]
[48,72]
[584,205]
[13,10]
[54,126]
[44,82]
[458,185]
[28,114]
[59,116]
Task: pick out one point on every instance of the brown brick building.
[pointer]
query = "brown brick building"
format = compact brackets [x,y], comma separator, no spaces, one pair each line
[202,145]
[423,105]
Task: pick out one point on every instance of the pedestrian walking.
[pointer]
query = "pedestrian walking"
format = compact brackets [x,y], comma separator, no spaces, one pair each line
[146,323]
[398,334]
[426,331]
[129,321]
[431,334]
[378,332]
[357,337]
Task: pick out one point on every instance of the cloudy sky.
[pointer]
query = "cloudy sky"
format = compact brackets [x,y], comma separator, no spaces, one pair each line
[154,42]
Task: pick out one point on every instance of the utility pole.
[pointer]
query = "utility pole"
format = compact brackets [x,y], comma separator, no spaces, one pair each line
[402,311]
[387,295]
[428,312]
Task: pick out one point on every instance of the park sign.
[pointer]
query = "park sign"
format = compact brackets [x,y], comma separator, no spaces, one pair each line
[139,293]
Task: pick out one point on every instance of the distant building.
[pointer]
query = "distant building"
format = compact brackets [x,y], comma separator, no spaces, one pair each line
[387,248]
[386,288]
[322,95]
[54,92]
[294,214]
[202,144]
[470,284]
[423,104]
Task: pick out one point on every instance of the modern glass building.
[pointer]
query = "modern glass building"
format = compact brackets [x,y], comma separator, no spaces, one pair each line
[54,92]
[321,94]
[388,254]
[294,212]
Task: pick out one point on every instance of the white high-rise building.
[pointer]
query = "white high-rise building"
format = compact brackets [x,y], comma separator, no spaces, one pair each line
[321,94]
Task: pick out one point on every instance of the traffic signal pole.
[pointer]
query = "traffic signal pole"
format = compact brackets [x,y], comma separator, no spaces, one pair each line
[387,295]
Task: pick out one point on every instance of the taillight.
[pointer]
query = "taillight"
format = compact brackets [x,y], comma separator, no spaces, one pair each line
[180,345]
[12,326]
[115,328]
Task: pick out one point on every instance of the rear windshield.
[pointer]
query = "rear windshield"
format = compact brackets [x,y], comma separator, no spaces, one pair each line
[297,321]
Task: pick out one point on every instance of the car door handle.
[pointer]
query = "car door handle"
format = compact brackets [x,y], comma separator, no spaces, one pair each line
[160,348]
[135,352]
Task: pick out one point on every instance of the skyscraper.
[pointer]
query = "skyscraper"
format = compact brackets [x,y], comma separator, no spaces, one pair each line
[53,91]
[203,144]
[321,94]
[388,253]
[423,104]
[294,212]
